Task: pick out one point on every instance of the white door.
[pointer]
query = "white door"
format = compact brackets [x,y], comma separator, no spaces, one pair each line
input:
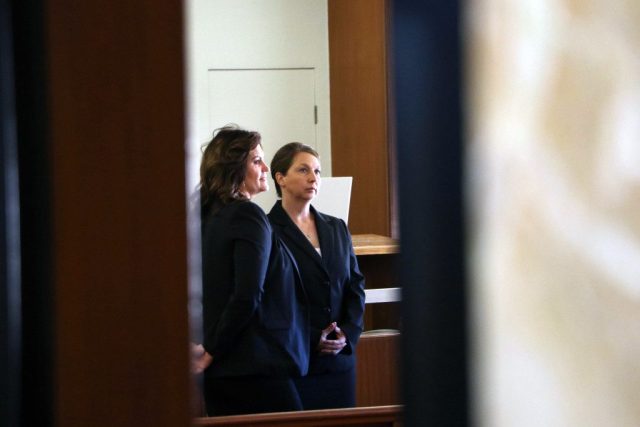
[263,64]
[278,103]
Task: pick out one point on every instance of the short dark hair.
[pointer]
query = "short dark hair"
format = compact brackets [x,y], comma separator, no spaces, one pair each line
[224,165]
[283,159]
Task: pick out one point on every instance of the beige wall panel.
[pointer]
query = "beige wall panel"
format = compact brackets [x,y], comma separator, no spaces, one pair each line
[554,179]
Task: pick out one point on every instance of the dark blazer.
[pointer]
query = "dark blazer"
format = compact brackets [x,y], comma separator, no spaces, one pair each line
[255,313]
[333,282]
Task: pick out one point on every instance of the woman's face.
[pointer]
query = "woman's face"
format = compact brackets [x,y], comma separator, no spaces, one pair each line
[255,180]
[302,180]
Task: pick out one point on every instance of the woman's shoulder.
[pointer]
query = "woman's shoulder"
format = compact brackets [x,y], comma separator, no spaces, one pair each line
[331,220]
[334,223]
[246,210]
[239,206]
[247,206]
[240,209]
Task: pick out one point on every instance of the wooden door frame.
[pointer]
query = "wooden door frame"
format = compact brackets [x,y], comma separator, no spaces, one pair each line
[100,123]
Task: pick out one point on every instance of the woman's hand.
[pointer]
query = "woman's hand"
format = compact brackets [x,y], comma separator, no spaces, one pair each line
[200,359]
[332,346]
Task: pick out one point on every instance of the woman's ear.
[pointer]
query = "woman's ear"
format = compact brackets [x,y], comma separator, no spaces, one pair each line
[279,178]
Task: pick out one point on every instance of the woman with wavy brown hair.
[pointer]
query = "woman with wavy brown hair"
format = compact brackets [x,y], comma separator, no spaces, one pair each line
[255,319]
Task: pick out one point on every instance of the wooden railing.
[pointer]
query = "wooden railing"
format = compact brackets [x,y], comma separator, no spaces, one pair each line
[373,416]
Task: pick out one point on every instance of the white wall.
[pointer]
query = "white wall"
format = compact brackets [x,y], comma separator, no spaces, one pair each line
[240,34]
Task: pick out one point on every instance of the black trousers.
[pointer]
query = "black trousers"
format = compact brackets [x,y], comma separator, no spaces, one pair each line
[328,390]
[250,395]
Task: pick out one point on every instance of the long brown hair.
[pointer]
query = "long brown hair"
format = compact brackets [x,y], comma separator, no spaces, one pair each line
[224,165]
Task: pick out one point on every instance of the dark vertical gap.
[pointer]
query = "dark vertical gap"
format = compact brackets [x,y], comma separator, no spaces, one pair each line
[429,125]
[35,212]
[394,217]
[10,320]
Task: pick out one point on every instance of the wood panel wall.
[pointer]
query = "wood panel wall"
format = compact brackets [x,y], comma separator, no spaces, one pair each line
[119,221]
[359,109]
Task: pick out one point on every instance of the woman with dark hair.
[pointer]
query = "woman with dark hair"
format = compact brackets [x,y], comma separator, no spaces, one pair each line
[255,318]
[321,245]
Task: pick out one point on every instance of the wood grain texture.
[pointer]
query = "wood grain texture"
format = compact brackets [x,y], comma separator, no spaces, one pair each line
[359,116]
[390,415]
[373,244]
[378,369]
[117,132]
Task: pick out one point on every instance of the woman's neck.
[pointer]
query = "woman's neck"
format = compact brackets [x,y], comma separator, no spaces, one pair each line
[298,211]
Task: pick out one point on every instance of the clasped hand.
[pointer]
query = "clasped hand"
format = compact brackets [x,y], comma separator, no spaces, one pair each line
[200,359]
[332,346]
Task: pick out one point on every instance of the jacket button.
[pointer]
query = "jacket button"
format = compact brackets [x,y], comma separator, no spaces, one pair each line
[327,309]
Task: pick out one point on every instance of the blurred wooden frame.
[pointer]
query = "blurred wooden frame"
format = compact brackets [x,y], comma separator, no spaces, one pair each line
[381,416]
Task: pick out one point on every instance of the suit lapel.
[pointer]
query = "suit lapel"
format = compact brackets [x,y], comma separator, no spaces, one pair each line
[325,236]
[291,230]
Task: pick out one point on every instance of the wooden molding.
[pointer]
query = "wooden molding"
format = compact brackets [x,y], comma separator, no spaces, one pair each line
[366,416]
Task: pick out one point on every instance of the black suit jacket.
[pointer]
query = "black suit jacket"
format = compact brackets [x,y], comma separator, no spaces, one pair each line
[255,314]
[333,282]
